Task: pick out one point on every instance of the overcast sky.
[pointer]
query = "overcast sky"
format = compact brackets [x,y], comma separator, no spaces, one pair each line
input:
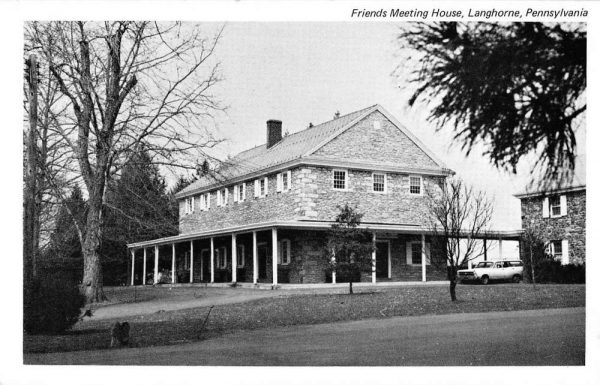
[305,72]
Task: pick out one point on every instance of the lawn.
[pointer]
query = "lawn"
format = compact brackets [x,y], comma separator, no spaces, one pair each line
[172,327]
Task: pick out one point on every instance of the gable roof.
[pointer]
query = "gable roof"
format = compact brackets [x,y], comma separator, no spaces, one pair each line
[576,183]
[293,147]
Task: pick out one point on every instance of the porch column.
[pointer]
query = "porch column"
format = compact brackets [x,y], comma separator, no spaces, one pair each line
[132,266]
[423,259]
[173,263]
[254,259]
[484,249]
[233,258]
[274,252]
[374,260]
[500,256]
[191,261]
[333,275]
[144,276]
[212,260]
[155,264]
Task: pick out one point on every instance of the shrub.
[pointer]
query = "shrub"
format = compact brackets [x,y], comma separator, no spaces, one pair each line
[53,305]
[548,270]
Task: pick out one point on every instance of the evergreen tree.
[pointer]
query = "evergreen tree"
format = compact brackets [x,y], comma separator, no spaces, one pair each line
[138,208]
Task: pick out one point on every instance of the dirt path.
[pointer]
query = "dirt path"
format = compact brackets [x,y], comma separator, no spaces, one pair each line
[203,297]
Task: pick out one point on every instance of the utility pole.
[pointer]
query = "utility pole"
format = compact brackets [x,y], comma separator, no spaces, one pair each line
[29,195]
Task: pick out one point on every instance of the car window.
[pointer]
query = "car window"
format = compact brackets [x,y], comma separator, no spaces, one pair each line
[498,265]
[484,264]
[506,264]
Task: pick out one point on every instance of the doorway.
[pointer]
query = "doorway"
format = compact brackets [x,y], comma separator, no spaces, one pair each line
[263,251]
[383,259]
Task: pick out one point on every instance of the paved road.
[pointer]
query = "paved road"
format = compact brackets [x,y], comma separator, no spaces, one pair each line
[532,337]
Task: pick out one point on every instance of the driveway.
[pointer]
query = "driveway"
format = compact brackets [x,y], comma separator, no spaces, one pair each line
[530,337]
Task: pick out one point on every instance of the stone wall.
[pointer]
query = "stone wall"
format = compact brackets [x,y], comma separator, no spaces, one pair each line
[570,227]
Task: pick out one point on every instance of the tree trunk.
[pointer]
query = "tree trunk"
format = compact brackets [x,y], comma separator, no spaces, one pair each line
[452,278]
[350,287]
[453,289]
[92,268]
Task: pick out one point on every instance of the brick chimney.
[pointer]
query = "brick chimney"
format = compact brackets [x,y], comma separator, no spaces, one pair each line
[273,132]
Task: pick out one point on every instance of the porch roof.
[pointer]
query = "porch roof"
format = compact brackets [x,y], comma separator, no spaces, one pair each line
[312,225]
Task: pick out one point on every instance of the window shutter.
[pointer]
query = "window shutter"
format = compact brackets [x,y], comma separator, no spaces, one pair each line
[266,186]
[279,252]
[289,179]
[279,182]
[563,205]
[256,189]
[565,252]
[428,253]
[207,201]
[226,195]
[244,191]
[235,193]
[545,208]
[408,253]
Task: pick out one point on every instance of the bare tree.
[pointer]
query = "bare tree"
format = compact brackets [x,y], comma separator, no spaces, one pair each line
[458,218]
[127,83]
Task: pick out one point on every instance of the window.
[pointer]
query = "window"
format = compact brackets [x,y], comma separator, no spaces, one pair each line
[205,201]
[555,205]
[239,192]
[221,256]
[379,182]
[263,187]
[555,249]
[284,256]
[222,197]
[189,205]
[241,255]
[340,181]
[415,185]
[284,181]
[414,253]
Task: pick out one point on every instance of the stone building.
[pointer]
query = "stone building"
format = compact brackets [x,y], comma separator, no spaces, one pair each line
[556,214]
[263,216]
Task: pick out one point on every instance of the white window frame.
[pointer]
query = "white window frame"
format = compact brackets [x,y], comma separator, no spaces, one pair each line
[552,207]
[385,182]
[345,171]
[189,205]
[221,254]
[409,249]
[420,184]
[284,187]
[240,193]
[288,247]
[223,196]
[241,252]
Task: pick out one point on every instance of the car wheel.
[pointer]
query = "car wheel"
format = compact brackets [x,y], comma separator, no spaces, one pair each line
[485,279]
[516,278]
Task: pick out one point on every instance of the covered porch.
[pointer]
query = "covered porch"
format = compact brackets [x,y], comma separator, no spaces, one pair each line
[283,253]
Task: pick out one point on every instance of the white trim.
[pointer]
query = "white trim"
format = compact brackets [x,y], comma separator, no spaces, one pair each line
[533,194]
[546,207]
[389,256]
[346,179]
[409,253]
[563,205]
[317,225]
[242,254]
[385,182]
[288,251]
[420,184]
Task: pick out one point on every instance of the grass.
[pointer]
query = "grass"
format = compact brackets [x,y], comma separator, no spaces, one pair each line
[163,328]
